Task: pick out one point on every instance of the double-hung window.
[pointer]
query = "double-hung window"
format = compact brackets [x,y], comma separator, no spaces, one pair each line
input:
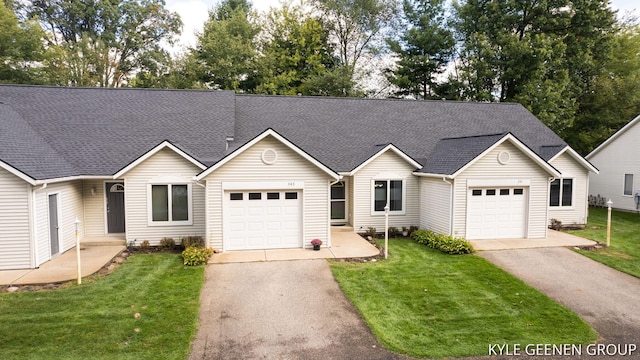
[169,204]
[561,193]
[391,191]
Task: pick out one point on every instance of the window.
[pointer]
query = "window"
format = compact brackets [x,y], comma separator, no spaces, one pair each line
[561,192]
[255,196]
[504,191]
[391,190]
[170,204]
[491,192]
[291,195]
[518,191]
[235,196]
[273,196]
[476,192]
[628,184]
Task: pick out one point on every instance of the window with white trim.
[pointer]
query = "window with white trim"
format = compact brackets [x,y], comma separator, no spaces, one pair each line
[628,184]
[169,204]
[561,193]
[388,190]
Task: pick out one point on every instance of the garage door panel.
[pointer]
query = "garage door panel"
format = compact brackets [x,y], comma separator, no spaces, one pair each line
[496,213]
[263,220]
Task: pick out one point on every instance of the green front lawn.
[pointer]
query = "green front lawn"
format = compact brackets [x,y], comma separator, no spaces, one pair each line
[624,253]
[424,303]
[100,320]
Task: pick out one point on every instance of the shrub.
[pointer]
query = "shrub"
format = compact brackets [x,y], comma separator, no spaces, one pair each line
[445,243]
[189,241]
[167,243]
[555,224]
[194,255]
[371,231]
[413,228]
[145,245]
[393,231]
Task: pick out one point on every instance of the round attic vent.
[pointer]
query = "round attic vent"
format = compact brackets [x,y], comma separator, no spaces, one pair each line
[504,157]
[269,156]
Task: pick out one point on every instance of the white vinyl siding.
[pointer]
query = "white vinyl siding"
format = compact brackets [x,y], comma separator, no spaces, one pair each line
[386,166]
[519,167]
[15,243]
[290,166]
[164,167]
[616,159]
[71,206]
[435,205]
[577,212]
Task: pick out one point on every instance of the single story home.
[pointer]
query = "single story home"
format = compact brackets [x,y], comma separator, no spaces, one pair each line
[619,180]
[262,172]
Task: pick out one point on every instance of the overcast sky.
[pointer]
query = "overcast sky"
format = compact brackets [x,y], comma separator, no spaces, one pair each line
[195,12]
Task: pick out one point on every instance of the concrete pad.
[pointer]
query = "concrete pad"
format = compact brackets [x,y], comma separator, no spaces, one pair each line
[64,266]
[554,239]
[344,244]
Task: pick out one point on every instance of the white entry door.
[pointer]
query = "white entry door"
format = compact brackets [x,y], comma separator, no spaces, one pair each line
[496,213]
[263,219]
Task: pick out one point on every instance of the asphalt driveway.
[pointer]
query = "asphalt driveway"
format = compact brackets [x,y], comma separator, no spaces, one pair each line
[280,310]
[606,298]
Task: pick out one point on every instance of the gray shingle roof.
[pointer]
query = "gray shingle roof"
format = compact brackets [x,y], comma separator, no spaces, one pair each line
[342,133]
[450,155]
[101,130]
[49,132]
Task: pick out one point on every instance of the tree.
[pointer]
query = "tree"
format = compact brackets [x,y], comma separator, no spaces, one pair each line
[424,50]
[20,47]
[295,51]
[354,26]
[226,49]
[616,96]
[102,42]
[169,73]
[544,55]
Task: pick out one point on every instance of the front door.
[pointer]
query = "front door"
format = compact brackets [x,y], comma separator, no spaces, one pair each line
[54,226]
[115,207]
[339,203]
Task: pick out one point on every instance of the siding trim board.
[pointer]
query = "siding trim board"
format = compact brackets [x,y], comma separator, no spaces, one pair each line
[156,149]
[389,147]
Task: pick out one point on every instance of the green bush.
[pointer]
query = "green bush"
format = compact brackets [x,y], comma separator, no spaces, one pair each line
[189,241]
[167,243]
[194,255]
[445,243]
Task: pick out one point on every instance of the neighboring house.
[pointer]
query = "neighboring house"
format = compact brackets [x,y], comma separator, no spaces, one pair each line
[618,158]
[260,172]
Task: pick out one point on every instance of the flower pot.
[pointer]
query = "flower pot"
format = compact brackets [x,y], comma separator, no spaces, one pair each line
[316,247]
[405,233]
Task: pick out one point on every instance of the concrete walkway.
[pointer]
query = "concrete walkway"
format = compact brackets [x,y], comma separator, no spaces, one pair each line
[606,298]
[63,267]
[344,244]
[554,239]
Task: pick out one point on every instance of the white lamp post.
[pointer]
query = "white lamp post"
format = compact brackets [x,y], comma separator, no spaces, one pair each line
[77,222]
[386,231]
[609,203]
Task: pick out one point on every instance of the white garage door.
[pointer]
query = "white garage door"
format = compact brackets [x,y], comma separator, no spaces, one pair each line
[496,213]
[263,220]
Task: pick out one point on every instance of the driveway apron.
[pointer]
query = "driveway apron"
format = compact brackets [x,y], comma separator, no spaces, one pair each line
[607,299]
[280,310]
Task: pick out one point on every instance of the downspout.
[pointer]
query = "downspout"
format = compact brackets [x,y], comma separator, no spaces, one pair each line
[546,225]
[34,229]
[450,205]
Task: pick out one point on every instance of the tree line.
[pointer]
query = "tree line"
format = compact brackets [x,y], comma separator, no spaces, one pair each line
[572,63]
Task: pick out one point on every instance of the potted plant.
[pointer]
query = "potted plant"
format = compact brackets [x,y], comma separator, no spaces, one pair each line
[316,244]
[405,231]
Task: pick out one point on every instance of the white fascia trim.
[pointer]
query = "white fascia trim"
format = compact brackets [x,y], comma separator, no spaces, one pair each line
[72,178]
[430,175]
[613,137]
[17,173]
[391,147]
[518,144]
[577,157]
[148,154]
[255,140]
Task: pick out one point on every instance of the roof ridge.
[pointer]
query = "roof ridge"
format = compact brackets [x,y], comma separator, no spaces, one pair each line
[475,136]
[240,95]
[114,89]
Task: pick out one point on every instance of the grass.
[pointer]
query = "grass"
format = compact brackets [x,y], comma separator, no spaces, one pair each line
[624,253]
[98,320]
[424,303]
